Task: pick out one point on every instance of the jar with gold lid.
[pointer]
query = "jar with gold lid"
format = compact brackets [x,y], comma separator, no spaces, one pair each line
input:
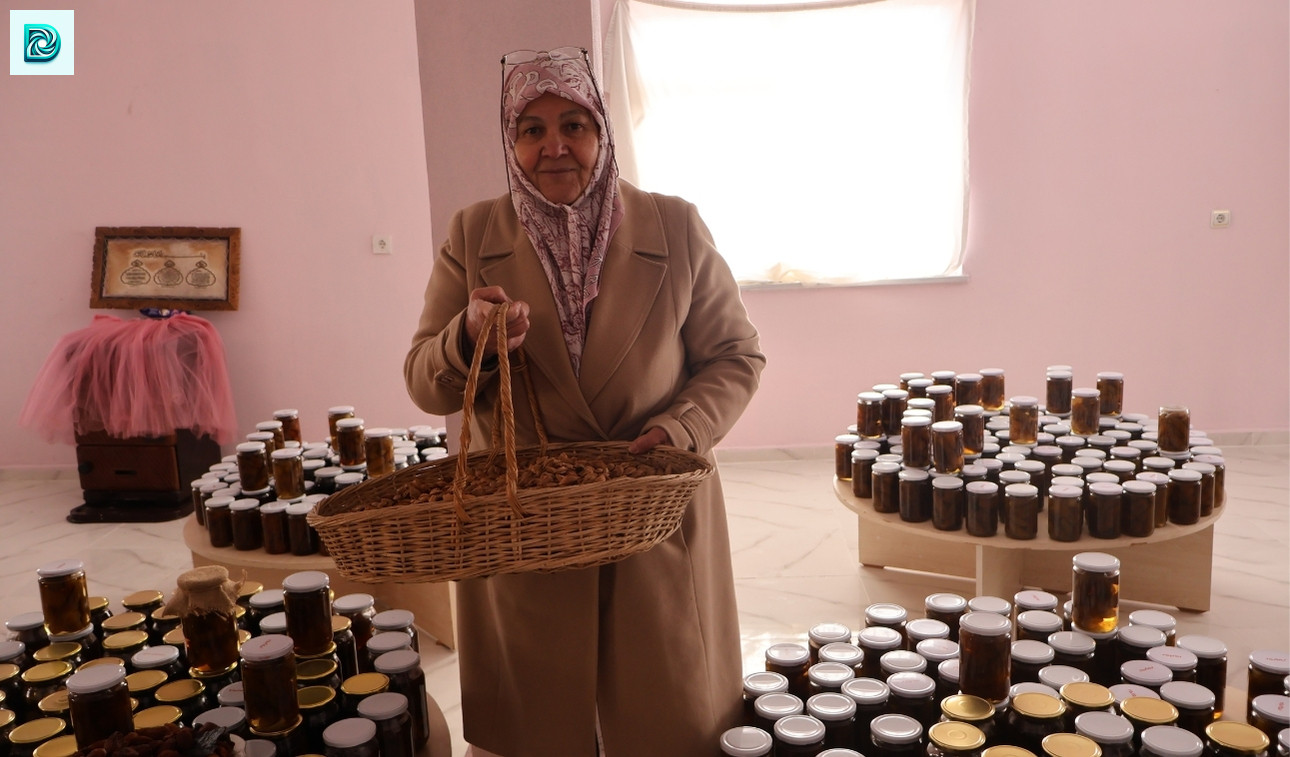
[56,705]
[1069,745]
[319,671]
[24,739]
[188,694]
[124,644]
[357,688]
[157,716]
[950,738]
[1144,712]
[125,621]
[59,746]
[61,650]
[1085,696]
[973,710]
[1227,738]
[1031,718]
[143,686]
[319,708]
[41,680]
[143,602]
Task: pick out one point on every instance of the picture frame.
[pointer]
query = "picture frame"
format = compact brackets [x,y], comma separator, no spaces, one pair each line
[174,267]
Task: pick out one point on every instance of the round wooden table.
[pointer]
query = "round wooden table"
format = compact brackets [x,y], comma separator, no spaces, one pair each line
[1173,566]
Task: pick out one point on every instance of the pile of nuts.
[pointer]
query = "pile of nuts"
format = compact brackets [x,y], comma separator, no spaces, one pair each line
[162,741]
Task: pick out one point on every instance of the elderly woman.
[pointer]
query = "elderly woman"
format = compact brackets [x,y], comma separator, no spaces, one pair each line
[634,331]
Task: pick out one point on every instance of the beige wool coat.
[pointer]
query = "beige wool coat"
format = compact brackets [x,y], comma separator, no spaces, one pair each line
[647,647]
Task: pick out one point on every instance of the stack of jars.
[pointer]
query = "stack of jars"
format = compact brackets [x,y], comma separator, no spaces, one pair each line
[259,498]
[290,667]
[1020,678]
[950,450]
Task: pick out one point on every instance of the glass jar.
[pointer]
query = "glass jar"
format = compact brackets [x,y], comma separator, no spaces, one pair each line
[1110,386]
[1086,408]
[1023,420]
[915,495]
[922,629]
[1113,733]
[948,503]
[843,653]
[143,686]
[895,735]
[188,695]
[1138,508]
[1082,697]
[1269,713]
[1057,393]
[798,736]
[947,446]
[245,515]
[27,737]
[269,683]
[862,461]
[99,702]
[838,714]
[1095,592]
[399,620]
[1038,625]
[306,597]
[886,487]
[219,522]
[1211,665]
[1181,663]
[385,641]
[975,711]
[947,678]
[162,657]
[1021,503]
[792,661]
[124,644]
[351,737]
[870,696]
[746,741]
[1145,712]
[822,634]
[1069,745]
[952,738]
[253,465]
[403,669]
[1220,475]
[318,671]
[869,413]
[1173,432]
[1195,704]
[1032,717]
[1169,741]
[1105,501]
[913,694]
[378,447]
[349,443]
[1028,658]
[947,608]
[288,473]
[758,683]
[389,710]
[985,644]
[1065,513]
[992,389]
[972,417]
[1232,739]
[769,708]
[1057,676]
[1184,496]
[64,596]
[982,508]
[1132,642]
[1106,664]
[1265,674]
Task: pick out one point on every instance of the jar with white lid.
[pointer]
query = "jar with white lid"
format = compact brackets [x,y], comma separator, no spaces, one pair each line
[1028,658]
[915,495]
[756,684]
[269,683]
[1038,625]
[1095,593]
[1057,676]
[793,661]
[947,608]
[1195,704]
[1169,741]
[351,737]
[99,702]
[1181,662]
[1132,642]
[1112,733]
[253,465]
[870,696]
[1269,713]
[1266,674]
[771,707]
[838,714]
[895,735]
[1021,503]
[397,619]
[1138,508]
[1023,420]
[798,735]
[1085,411]
[389,711]
[936,651]
[844,653]
[306,597]
[985,645]
[746,741]
[64,596]
[990,603]
[1211,665]
[1145,673]
[821,634]
[913,694]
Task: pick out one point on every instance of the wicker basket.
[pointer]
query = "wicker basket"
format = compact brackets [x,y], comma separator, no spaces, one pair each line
[376,534]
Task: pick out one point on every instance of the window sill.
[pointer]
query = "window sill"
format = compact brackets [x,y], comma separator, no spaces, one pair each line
[954,278]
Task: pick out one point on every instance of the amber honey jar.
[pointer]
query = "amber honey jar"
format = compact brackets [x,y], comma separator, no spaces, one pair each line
[1095,592]
[1057,393]
[1110,385]
[349,443]
[269,683]
[64,596]
[99,702]
[378,449]
[1085,412]
[253,465]
[793,661]
[290,420]
[288,473]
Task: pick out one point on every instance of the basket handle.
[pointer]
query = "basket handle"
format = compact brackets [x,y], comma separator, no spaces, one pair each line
[496,322]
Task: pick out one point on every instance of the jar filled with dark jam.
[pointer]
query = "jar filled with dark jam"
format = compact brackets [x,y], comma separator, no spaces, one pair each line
[389,711]
[1195,705]
[143,686]
[1144,712]
[64,596]
[793,661]
[302,536]
[886,487]
[975,711]
[949,501]
[1181,663]
[798,736]
[1113,733]
[1028,658]
[307,601]
[219,522]
[838,714]
[985,646]
[913,694]
[1233,739]
[1265,674]
[895,736]
[1169,741]
[41,680]
[403,668]
[1065,513]
[188,694]
[1085,696]
[1270,713]
[346,649]
[876,641]
[1069,745]
[351,737]
[269,683]
[273,527]
[769,708]
[1032,717]
[1211,665]
[947,608]
[27,737]
[954,739]
[828,677]
[982,508]
[756,684]
[360,608]
[99,702]
[746,741]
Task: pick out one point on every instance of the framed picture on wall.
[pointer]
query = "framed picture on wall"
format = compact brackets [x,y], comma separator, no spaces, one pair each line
[176,267]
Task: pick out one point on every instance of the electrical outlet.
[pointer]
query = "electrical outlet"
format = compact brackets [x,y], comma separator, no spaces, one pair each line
[1220,219]
[382,244]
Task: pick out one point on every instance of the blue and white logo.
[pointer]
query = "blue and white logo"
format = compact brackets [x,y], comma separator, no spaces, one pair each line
[41,42]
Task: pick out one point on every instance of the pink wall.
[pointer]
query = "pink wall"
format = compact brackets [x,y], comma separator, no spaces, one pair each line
[1102,136]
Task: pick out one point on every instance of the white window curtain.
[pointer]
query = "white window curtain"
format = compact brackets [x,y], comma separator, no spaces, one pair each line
[822,142]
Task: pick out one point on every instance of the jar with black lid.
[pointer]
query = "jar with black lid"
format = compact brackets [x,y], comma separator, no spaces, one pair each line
[870,696]
[306,597]
[838,714]
[895,736]
[952,738]
[1031,717]
[1211,665]
[947,608]
[351,737]
[1169,741]
[1233,739]
[269,683]
[1028,658]
[99,701]
[1195,704]
[913,694]
[793,661]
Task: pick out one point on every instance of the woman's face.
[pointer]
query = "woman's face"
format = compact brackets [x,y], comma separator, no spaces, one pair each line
[556,143]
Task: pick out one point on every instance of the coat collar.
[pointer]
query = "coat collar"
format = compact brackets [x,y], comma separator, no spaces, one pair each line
[635,265]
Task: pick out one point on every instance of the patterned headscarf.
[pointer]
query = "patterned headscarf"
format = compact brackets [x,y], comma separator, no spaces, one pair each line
[570,240]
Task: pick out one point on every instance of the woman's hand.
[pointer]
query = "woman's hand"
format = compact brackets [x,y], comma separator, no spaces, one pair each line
[649,440]
[480,309]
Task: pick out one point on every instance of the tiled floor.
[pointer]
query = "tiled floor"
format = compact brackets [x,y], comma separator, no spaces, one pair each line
[795,558]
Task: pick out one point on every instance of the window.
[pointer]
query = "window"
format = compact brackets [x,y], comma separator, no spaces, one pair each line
[823,142]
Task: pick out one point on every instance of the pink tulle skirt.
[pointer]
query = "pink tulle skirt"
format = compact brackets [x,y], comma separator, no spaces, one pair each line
[138,377]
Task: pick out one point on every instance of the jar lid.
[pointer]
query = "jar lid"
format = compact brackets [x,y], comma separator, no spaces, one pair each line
[1240,737]
[984,623]
[911,685]
[300,508]
[1105,489]
[159,715]
[145,680]
[969,410]
[764,682]
[227,718]
[155,657]
[1139,486]
[778,704]
[1032,652]
[1172,741]
[348,733]
[827,633]
[886,467]
[896,729]
[36,731]
[267,647]
[214,503]
[364,684]
[315,668]
[947,427]
[314,697]
[914,474]
[951,735]
[1096,562]
[947,482]
[1104,727]
[1066,487]
[885,613]
[926,628]
[250,447]
[799,729]
[275,507]
[864,454]
[966,707]
[398,661]
[1271,661]
[350,477]
[1021,490]
[1070,745]
[125,640]
[878,638]
[286,453]
[231,695]
[1186,694]
[388,641]
[1272,707]
[265,598]
[383,706]
[1148,710]
[1123,691]
[982,488]
[1142,636]
[1058,676]
[1155,477]
[945,602]
[62,650]
[1059,374]
[1034,705]
[1032,687]
[179,690]
[940,389]
[746,741]
[937,650]
[990,463]
[895,394]
[1024,400]
[787,653]
[1072,642]
[866,691]
[869,397]
[987,603]
[1042,621]
[1085,392]
[353,603]
[348,423]
[842,652]
[1088,695]
[1202,646]
[949,670]
[59,568]
[242,505]
[305,581]
[1033,599]
[392,620]
[1184,474]
[95,679]
[830,706]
